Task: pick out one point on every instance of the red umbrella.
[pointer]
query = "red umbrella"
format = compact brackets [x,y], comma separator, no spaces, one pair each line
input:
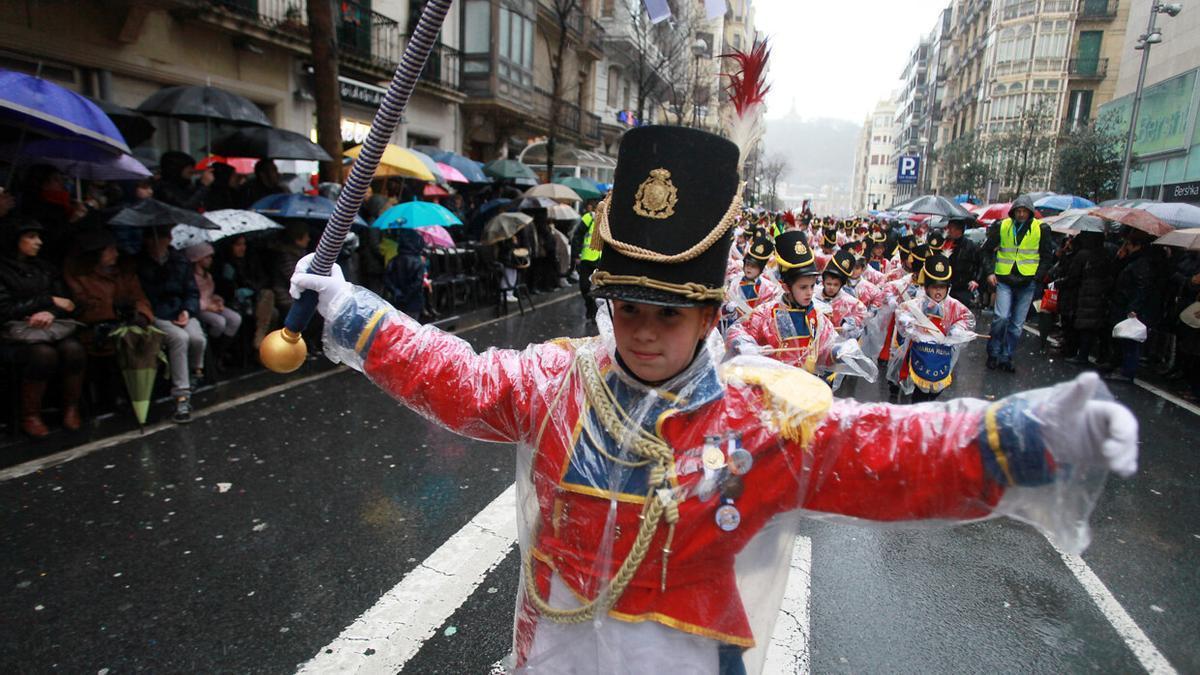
[243,165]
[973,208]
[436,235]
[993,212]
[1136,218]
[434,190]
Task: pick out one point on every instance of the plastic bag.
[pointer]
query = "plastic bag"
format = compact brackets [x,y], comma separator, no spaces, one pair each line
[1049,300]
[655,521]
[1130,329]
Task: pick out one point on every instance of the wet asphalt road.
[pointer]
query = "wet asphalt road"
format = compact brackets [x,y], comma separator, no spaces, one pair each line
[246,542]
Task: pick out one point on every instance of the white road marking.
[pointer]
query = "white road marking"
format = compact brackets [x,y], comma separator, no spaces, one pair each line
[1145,651]
[394,629]
[1161,393]
[788,653]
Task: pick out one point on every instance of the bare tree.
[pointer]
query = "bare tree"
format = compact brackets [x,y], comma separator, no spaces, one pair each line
[565,12]
[659,51]
[1024,152]
[772,170]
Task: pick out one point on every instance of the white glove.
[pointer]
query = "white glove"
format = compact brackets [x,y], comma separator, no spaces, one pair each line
[333,290]
[745,347]
[1078,428]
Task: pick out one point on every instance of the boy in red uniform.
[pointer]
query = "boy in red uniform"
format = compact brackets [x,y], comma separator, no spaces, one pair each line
[935,327]
[848,313]
[646,469]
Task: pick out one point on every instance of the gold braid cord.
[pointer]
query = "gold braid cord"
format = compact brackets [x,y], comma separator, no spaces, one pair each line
[661,458]
[639,253]
[691,291]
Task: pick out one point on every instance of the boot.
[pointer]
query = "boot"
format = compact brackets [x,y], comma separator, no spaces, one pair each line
[72,390]
[31,408]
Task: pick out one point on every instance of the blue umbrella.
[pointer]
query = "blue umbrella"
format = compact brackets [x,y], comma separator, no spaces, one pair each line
[1063,203]
[414,215]
[299,206]
[47,109]
[965,198]
[469,168]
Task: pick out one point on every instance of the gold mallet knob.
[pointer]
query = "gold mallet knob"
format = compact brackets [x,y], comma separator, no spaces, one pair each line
[282,351]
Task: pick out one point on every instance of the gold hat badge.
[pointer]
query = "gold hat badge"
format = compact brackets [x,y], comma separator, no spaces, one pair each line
[656,196]
[801,249]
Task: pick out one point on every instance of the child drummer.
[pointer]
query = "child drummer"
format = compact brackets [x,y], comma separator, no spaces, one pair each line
[646,470]
[754,287]
[935,327]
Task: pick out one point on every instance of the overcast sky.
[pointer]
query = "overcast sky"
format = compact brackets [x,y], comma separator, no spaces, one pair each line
[837,58]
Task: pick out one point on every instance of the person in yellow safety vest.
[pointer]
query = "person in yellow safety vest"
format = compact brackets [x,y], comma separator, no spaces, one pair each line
[1021,251]
[589,256]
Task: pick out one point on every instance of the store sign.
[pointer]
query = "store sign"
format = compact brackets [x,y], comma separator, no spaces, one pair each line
[1182,192]
[354,131]
[1163,117]
[353,91]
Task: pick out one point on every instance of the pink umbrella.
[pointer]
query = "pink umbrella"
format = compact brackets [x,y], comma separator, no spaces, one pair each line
[451,174]
[436,235]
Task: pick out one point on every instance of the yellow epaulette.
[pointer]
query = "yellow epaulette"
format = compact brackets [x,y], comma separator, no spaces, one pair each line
[796,401]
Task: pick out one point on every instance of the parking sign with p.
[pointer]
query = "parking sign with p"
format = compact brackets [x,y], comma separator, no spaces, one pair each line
[908,170]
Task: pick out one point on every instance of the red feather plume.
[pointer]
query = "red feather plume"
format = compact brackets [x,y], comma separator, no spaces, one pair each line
[748,85]
[789,218]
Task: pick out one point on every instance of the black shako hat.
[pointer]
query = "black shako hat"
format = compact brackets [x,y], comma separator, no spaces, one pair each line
[841,265]
[794,256]
[761,248]
[935,241]
[938,270]
[666,225]
[829,236]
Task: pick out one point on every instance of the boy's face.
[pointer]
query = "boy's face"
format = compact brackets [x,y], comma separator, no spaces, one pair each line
[937,293]
[831,285]
[802,290]
[751,269]
[657,343]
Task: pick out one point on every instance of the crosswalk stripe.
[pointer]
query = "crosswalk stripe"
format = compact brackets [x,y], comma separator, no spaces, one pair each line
[391,632]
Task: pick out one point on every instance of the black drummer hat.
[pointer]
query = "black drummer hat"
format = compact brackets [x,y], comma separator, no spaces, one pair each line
[878,237]
[666,225]
[905,245]
[761,248]
[937,270]
[829,236]
[841,265]
[935,241]
[794,256]
[916,259]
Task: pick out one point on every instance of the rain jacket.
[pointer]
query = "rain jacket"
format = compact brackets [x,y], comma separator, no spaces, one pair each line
[99,293]
[1045,249]
[169,285]
[1084,287]
[27,286]
[626,533]
[934,334]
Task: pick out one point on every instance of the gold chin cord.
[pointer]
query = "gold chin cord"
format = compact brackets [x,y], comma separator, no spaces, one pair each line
[657,507]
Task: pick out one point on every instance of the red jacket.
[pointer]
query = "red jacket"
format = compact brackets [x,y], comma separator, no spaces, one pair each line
[871,461]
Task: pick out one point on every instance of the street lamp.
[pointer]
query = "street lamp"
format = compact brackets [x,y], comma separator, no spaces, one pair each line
[1152,36]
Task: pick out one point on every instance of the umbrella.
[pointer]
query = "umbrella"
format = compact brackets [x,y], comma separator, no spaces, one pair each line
[416,214]
[562,212]
[509,169]
[993,212]
[434,190]
[965,199]
[1130,203]
[535,203]
[504,226]
[430,165]
[1063,203]
[1076,220]
[153,213]
[46,109]
[451,174]
[1189,239]
[1178,214]
[436,235]
[973,208]
[398,161]
[199,104]
[1139,219]
[1035,196]
[469,168]
[138,352]
[133,126]
[242,165]
[936,205]
[269,143]
[232,223]
[586,189]
[298,206]
[604,187]
[117,167]
[556,191]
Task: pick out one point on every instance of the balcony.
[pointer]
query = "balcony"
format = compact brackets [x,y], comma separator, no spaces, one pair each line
[1086,69]
[572,122]
[1097,10]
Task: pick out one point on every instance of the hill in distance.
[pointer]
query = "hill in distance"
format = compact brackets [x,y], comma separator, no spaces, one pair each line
[820,151]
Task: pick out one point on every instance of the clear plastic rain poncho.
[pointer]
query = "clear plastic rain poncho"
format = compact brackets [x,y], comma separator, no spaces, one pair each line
[932,335]
[656,522]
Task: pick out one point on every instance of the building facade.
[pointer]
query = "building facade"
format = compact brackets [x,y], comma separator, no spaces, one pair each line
[874,175]
[1166,149]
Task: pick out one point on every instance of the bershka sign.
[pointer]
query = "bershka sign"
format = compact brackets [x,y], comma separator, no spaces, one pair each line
[1182,192]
